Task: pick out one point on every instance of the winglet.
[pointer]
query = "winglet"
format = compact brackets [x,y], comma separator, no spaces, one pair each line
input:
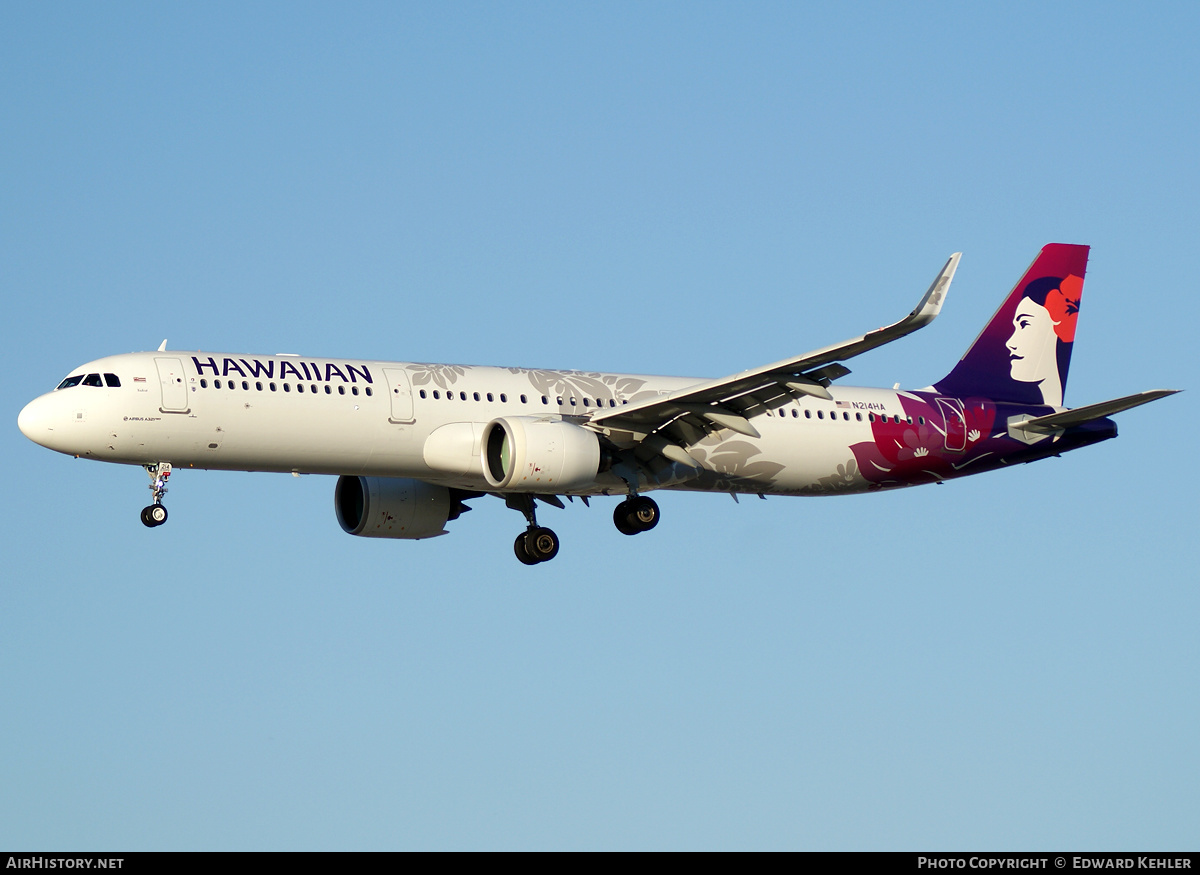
[162,347]
[930,305]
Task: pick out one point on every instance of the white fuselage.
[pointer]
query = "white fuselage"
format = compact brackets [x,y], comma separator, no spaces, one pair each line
[400,419]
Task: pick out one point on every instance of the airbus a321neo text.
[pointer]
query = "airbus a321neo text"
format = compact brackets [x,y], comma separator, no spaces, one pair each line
[411,443]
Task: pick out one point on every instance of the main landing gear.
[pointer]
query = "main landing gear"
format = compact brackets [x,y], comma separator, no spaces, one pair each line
[537,543]
[636,514]
[155,514]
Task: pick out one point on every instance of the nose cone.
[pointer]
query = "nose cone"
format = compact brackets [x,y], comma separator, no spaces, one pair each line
[35,422]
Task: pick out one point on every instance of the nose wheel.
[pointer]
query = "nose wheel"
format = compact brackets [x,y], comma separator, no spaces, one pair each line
[155,514]
[636,514]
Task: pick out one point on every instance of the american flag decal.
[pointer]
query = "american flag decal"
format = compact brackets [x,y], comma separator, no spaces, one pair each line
[844,404]
[139,379]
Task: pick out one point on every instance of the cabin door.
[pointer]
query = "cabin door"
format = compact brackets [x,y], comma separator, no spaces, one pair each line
[956,425]
[174,389]
[400,391]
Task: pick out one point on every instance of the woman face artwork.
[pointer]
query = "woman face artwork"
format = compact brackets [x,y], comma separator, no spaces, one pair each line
[1043,331]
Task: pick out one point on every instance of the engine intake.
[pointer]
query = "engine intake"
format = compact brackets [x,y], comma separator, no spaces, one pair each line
[396,507]
[530,454]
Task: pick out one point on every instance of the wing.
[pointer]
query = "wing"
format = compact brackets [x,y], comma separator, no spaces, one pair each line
[685,416]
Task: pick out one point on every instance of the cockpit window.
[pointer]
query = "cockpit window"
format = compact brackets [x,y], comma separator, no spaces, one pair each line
[93,380]
[111,381]
[70,381]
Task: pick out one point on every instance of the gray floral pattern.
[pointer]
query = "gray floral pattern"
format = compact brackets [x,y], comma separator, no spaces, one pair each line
[730,466]
[441,376]
[580,384]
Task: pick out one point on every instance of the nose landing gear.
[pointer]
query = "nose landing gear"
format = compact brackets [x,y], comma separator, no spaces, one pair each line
[155,514]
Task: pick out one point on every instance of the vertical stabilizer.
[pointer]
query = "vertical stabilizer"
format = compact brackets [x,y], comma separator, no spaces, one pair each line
[1023,354]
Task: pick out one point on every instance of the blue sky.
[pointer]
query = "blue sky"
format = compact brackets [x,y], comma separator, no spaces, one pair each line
[1007,661]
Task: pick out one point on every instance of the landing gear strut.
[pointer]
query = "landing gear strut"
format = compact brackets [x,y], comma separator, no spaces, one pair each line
[636,514]
[155,514]
[537,543]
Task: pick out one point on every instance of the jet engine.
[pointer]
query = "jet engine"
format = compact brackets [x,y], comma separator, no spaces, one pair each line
[531,454]
[396,507]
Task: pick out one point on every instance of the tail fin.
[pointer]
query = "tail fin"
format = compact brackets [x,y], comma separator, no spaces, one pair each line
[1023,353]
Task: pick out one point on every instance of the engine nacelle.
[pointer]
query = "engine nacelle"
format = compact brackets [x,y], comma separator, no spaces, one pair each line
[531,454]
[395,507]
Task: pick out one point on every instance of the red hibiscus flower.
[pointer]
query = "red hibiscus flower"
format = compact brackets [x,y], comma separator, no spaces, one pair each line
[1063,306]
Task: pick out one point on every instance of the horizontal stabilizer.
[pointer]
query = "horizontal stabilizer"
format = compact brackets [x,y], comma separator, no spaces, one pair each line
[1080,415]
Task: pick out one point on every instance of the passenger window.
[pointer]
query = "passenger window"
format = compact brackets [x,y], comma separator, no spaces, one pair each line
[300,388]
[845,416]
[353,390]
[871,417]
[558,400]
[503,398]
[286,387]
[462,396]
[545,400]
[524,400]
[920,420]
[475,395]
[216,384]
[820,414]
[111,381]
[858,416]
[203,384]
[422,393]
[808,414]
[573,404]
[258,386]
[329,390]
[93,380]
[342,391]
[368,390]
[585,402]
[489,397]
[436,395]
[245,385]
[69,382]
[272,387]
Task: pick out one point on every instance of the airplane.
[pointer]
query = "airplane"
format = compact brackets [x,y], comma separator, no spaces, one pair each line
[411,443]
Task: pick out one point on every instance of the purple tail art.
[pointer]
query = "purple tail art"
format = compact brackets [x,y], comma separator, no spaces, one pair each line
[1023,353]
